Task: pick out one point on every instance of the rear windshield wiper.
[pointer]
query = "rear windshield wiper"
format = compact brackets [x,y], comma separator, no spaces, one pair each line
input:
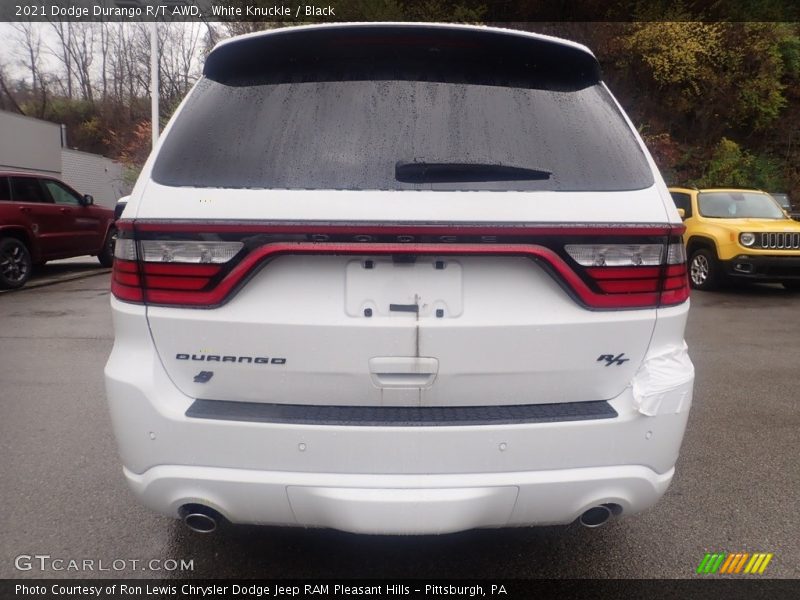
[444,172]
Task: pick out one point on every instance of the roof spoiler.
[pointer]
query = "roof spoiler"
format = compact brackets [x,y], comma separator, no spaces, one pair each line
[517,57]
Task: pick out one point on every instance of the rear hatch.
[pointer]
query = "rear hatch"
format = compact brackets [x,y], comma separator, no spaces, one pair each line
[400,216]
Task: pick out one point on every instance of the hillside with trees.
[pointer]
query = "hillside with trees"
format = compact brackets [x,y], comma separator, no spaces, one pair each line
[717,103]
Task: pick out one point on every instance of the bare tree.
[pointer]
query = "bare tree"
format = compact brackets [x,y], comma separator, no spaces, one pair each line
[126,63]
[178,67]
[105,44]
[82,50]
[75,51]
[7,99]
[30,54]
[63,31]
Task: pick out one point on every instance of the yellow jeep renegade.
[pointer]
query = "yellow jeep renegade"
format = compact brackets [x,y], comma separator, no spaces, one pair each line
[738,234]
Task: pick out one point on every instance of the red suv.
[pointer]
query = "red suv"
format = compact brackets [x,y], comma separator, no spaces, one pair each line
[41,219]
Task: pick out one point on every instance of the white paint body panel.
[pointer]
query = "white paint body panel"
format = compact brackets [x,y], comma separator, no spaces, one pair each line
[401,505]
[516,338]
[390,206]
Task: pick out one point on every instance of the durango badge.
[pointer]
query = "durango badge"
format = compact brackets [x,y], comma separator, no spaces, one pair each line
[258,360]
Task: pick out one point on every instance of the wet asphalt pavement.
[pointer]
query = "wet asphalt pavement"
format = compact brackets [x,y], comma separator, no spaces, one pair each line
[737,486]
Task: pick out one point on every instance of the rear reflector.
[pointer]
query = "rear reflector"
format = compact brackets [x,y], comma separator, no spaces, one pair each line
[204,273]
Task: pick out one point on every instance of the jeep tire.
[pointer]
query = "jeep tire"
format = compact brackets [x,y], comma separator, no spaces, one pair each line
[705,272]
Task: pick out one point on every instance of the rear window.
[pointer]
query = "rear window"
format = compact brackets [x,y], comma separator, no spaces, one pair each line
[348,127]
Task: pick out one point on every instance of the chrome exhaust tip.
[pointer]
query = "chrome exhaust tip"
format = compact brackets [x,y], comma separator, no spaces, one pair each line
[199,518]
[597,516]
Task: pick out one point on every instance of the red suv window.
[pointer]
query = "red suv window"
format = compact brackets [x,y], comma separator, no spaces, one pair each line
[5,189]
[60,193]
[28,189]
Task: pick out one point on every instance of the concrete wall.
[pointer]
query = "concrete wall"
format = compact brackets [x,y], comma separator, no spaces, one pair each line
[29,144]
[93,174]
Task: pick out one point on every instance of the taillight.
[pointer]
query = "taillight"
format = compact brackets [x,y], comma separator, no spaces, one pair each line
[125,281]
[192,252]
[636,275]
[202,264]
[169,272]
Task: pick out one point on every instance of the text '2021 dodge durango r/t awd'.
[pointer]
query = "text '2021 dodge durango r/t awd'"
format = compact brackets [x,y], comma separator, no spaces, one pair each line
[396,278]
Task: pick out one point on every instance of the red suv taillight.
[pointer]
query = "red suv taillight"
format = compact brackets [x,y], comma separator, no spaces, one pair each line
[603,268]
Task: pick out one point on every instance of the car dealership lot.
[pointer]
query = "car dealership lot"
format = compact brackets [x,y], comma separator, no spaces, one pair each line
[737,486]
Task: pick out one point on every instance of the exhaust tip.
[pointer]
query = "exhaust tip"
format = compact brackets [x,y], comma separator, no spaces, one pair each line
[199,518]
[597,515]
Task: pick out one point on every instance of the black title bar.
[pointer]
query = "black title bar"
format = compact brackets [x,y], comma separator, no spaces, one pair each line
[704,588]
[325,11]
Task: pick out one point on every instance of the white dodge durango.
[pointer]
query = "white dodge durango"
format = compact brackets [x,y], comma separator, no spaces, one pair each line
[399,278]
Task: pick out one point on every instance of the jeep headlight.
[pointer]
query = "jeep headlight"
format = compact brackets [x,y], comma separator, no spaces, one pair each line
[747,239]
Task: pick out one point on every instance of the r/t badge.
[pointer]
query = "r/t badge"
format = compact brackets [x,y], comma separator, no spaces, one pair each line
[612,360]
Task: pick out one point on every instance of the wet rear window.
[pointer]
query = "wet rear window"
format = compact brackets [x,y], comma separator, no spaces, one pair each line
[348,126]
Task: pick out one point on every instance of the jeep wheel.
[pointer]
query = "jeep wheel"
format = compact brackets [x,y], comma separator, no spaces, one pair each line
[704,270]
[15,263]
[106,256]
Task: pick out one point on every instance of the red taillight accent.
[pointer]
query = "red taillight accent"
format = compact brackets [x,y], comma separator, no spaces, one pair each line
[172,283]
[675,287]
[623,272]
[176,283]
[129,279]
[624,286]
[181,270]
[671,281]
[125,266]
[209,285]
[164,277]
[125,282]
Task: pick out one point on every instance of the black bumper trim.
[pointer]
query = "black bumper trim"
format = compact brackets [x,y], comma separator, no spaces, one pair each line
[399,416]
[765,268]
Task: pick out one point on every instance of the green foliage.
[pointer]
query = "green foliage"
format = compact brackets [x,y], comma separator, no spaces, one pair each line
[64,110]
[731,166]
[452,11]
[761,69]
[720,75]
[681,55]
[789,48]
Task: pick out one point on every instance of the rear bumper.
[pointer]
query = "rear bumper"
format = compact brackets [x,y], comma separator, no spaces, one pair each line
[403,478]
[766,269]
[399,504]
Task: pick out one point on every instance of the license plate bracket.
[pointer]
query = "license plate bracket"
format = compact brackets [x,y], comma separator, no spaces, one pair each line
[379,285]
